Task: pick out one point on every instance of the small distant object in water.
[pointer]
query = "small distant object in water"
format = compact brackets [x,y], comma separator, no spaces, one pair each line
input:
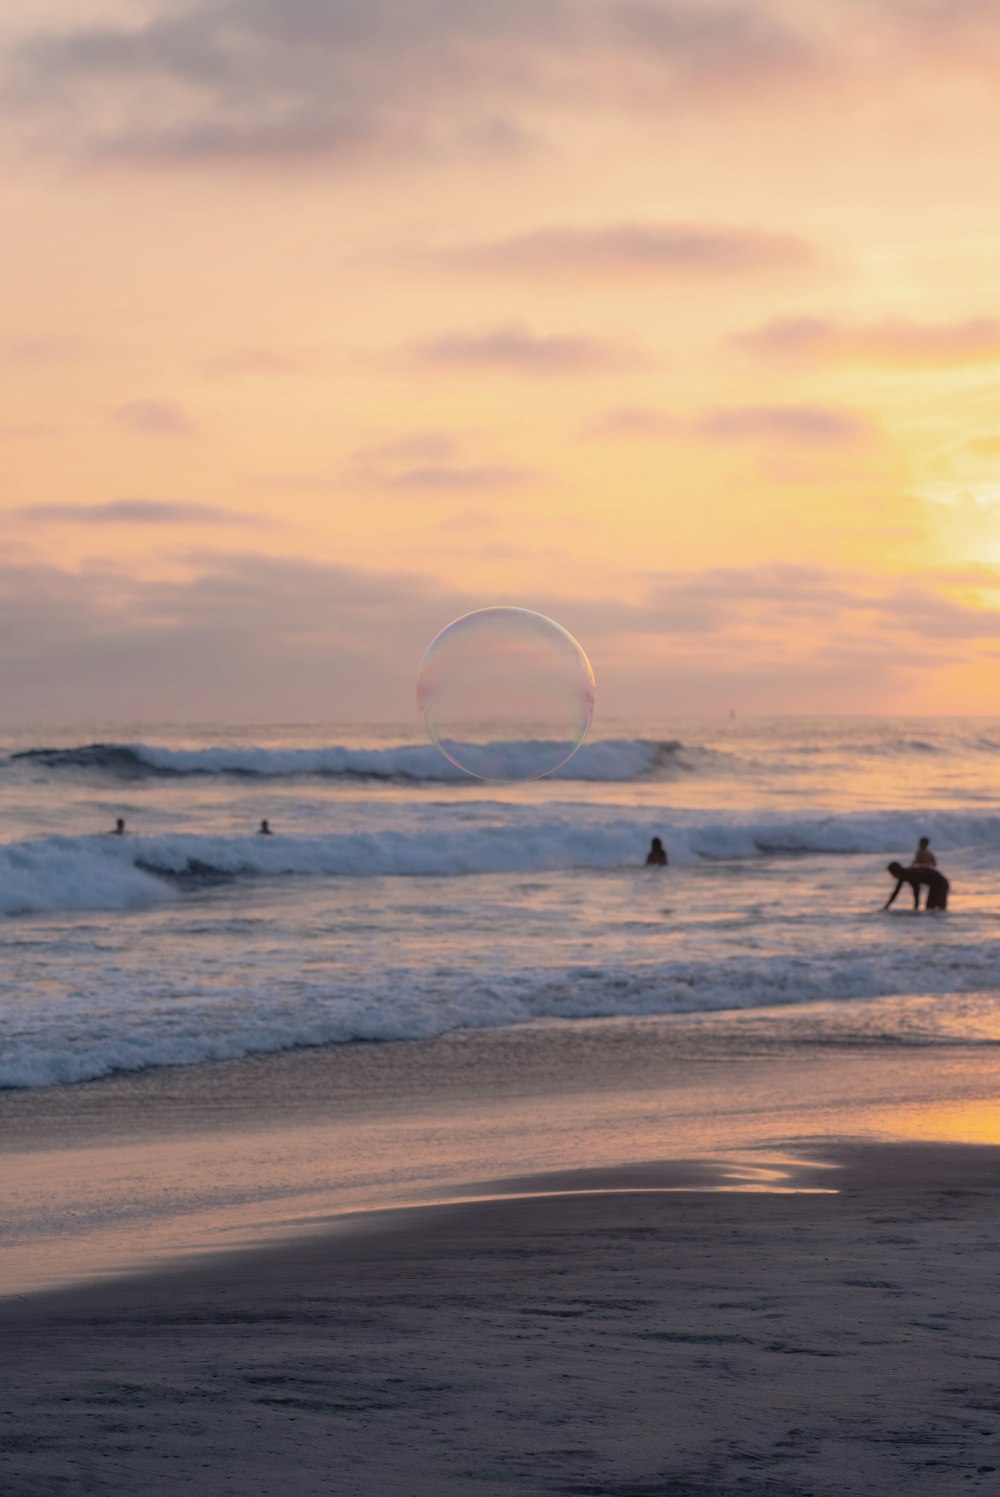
[936,883]
[732,712]
[119,830]
[923,857]
[264,830]
[657,855]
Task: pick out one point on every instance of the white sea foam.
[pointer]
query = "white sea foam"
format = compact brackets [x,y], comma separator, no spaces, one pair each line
[383,909]
[608,759]
[65,873]
[132,1030]
[104,872]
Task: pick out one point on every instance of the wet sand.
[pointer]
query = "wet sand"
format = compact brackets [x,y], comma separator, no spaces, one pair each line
[140,1170]
[745,1257]
[626,1341]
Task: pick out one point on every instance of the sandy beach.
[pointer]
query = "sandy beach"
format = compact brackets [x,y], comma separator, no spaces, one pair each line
[745,1262]
[625,1342]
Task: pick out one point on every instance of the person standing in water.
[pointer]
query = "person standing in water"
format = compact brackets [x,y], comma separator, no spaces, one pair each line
[264,830]
[657,855]
[119,830]
[923,857]
[936,884]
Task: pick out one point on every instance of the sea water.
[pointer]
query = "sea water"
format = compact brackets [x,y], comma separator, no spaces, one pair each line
[399,899]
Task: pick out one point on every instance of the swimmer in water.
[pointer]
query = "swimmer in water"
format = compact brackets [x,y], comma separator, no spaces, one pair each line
[264,830]
[119,830]
[923,857]
[657,855]
[936,883]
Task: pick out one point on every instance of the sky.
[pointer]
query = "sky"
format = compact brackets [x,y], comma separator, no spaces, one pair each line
[327,321]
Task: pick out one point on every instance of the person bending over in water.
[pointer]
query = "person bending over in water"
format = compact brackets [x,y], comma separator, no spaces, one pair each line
[937,886]
[923,857]
[657,855]
[264,830]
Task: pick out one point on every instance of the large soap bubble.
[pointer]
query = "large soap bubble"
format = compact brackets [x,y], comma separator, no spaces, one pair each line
[506,694]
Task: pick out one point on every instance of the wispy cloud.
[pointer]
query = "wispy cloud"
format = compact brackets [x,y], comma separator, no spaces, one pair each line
[659,251]
[811,425]
[155,418]
[430,462]
[459,478]
[517,349]
[795,425]
[412,447]
[139,512]
[44,350]
[822,340]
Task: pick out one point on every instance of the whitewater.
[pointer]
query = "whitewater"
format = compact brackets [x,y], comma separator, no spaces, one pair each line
[398,899]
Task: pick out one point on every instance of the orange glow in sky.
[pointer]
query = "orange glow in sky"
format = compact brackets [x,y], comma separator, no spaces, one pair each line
[327,323]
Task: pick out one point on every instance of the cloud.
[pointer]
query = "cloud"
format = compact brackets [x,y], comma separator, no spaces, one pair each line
[653,250]
[414,447]
[518,350]
[785,425]
[267,81]
[139,512]
[808,424]
[819,340]
[28,351]
[244,634]
[246,630]
[966,32]
[157,418]
[426,462]
[457,478]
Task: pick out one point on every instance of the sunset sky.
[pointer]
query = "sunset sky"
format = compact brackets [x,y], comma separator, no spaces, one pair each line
[327,320]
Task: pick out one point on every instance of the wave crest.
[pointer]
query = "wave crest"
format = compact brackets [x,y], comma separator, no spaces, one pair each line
[609,760]
[104,872]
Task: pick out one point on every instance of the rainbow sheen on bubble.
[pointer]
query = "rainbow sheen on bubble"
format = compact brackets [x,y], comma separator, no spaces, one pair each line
[506,694]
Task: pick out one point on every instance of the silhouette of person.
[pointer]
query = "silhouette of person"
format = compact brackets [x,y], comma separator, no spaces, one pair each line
[923,857]
[937,886]
[264,830]
[119,830]
[657,855]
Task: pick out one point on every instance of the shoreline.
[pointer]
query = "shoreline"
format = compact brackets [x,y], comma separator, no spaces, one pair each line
[621,1342]
[114,1176]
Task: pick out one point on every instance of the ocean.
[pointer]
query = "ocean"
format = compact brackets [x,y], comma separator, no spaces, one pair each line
[398,899]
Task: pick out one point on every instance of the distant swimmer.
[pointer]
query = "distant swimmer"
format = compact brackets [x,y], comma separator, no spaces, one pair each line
[923,857]
[657,855]
[264,830]
[119,830]
[936,883]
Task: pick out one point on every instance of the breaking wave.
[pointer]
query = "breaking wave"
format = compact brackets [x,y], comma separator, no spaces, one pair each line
[102,872]
[134,1032]
[610,760]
